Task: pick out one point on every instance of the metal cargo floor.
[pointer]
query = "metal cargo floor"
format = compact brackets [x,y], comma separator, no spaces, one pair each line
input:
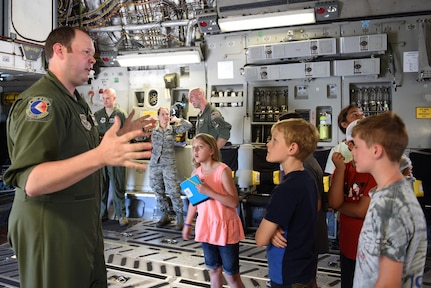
[145,256]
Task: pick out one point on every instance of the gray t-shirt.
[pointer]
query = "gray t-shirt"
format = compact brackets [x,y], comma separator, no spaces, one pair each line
[394,227]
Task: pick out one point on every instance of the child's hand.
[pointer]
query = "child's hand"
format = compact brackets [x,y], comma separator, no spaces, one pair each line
[278,239]
[338,160]
[203,188]
[187,232]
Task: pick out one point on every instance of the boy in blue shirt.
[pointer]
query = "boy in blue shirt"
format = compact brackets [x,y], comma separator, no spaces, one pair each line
[292,207]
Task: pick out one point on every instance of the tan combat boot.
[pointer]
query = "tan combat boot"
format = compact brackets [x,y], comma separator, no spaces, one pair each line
[164,220]
[179,222]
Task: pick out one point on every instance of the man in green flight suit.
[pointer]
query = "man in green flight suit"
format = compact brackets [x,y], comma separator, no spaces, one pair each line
[56,160]
[210,120]
[116,175]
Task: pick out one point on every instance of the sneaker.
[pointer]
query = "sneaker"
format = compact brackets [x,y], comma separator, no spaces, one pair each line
[123,221]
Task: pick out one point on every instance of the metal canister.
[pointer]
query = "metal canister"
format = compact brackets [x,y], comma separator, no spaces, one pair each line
[323,127]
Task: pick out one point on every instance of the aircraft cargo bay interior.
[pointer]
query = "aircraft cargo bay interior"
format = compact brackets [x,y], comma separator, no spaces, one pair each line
[141,138]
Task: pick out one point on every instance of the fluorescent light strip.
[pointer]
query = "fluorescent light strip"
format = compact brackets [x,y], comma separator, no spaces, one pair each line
[156,59]
[261,21]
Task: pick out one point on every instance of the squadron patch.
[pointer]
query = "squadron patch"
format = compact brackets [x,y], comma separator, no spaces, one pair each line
[103,120]
[215,115]
[94,119]
[85,122]
[201,123]
[38,109]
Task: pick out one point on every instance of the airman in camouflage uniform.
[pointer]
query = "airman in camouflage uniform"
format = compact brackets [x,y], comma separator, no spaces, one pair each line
[163,170]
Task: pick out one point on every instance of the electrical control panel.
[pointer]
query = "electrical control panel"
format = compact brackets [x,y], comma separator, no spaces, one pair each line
[287,71]
[364,43]
[357,67]
[291,50]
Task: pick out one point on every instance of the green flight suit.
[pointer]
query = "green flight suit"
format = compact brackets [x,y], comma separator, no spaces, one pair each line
[114,174]
[57,237]
[212,122]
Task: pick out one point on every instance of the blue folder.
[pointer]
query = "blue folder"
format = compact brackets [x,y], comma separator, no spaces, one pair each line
[189,188]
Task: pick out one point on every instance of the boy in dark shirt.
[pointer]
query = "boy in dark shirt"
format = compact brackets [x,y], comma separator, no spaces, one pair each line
[292,207]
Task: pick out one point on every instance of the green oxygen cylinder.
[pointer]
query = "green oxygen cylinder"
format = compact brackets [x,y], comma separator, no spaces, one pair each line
[323,127]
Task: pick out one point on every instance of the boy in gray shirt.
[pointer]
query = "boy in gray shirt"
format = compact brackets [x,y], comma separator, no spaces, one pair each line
[393,242]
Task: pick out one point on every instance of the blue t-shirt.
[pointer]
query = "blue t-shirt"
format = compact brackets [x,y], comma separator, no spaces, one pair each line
[293,206]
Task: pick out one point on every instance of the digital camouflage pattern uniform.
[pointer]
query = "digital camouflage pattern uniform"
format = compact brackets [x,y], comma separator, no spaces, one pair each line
[114,174]
[163,170]
[57,237]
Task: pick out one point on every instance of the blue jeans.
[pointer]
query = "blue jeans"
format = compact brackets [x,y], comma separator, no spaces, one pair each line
[226,256]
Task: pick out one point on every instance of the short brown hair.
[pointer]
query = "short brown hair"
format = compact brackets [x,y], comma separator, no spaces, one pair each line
[386,129]
[301,132]
[63,35]
[160,109]
[342,117]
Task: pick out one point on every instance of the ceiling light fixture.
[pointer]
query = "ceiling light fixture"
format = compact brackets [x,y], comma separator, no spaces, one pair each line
[269,20]
[161,57]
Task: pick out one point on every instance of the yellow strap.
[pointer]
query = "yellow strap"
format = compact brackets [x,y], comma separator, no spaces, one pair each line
[418,188]
[255,179]
[276,177]
[326,183]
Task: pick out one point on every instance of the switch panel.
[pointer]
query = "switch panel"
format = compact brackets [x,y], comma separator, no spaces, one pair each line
[377,43]
[291,50]
[356,67]
[287,71]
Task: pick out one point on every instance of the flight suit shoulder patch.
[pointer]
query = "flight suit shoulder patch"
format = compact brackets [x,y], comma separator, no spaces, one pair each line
[215,115]
[38,109]
[84,121]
